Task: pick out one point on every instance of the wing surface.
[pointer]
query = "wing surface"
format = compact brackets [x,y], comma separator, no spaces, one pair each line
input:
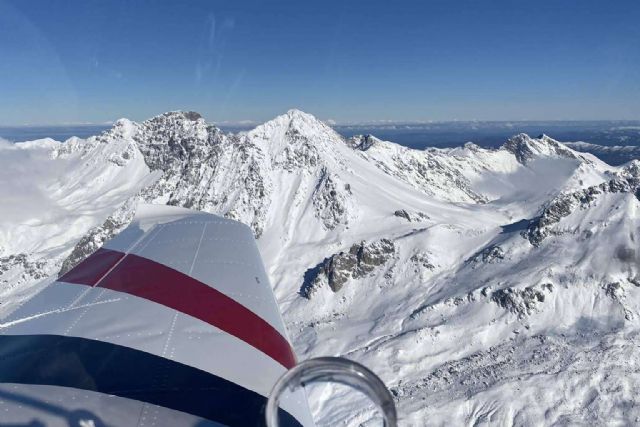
[172,322]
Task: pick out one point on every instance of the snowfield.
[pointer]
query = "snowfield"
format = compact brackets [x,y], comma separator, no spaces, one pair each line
[485,287]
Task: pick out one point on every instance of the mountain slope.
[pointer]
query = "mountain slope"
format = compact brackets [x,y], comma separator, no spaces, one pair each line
[462,276]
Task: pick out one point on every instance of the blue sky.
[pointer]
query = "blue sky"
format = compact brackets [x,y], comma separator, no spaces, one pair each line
[95,61]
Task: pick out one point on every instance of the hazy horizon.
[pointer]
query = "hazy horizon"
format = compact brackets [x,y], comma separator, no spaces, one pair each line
[441,134]
[333,122]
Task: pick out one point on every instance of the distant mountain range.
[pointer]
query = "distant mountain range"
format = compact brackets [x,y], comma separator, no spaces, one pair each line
[612,154]
[421,135]
[484,285]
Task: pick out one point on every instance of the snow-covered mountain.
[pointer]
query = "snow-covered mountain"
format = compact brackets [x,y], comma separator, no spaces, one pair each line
[484,286]
[612,154]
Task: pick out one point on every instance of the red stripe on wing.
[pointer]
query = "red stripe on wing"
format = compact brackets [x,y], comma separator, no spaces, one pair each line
[144,278]
[92,269]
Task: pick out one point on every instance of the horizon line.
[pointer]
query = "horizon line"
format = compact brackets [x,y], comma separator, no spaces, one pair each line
[331,122]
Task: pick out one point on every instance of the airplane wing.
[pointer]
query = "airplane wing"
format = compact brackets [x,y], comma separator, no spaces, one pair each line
[171,323]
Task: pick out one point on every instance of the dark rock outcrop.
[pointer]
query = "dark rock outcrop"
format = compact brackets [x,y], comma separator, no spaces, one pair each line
[330,200]
[363,142]
[489,255]
[521,302]
[401,213]
[34,269]
[360,260]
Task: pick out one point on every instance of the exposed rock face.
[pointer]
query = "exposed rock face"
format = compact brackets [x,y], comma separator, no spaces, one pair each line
[360,260]
[97,236]
[432,172]
[520,148]
[526,148]
[421,259]
[330,200]
[299,153]
[616,292]
[193,157]
[435,172]
[27,269]
[234,175]
[626,181]
[521,302]
[363,142]
[171,141]
[489,255]
[401,213]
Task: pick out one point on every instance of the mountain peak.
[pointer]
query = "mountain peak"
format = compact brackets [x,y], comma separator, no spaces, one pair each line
[294,122]
[296,118]
[191,116]
[179,122]
[526,148]
[294,112]
[299,119]
[122,128]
